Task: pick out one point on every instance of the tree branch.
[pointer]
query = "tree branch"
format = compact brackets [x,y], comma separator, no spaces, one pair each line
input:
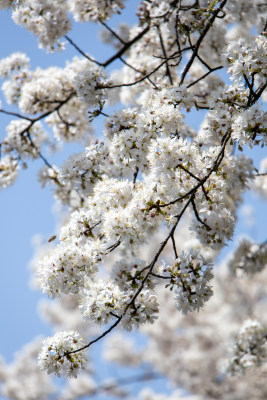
[200,39]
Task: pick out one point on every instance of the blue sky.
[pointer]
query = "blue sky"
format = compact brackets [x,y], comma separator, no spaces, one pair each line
[26,207]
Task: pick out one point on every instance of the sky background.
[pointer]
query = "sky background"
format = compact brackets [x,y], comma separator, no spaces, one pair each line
[26,208]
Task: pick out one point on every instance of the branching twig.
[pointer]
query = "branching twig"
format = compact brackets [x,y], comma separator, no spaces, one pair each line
[204,76]
[197,215]
[136,70]
[125,47]
[139,80]
[113,247]
[113,32]
[200,39]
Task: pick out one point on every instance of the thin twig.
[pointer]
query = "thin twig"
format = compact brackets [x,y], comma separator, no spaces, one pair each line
[125,47]
[174,246]
[113,32]
[138,71]
[168,72]
[197,215]
[81,51]
[15,115]
[137,81]
[135,175]
[188,172]
[204,76]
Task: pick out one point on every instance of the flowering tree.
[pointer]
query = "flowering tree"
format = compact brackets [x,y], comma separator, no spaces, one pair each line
[151,202]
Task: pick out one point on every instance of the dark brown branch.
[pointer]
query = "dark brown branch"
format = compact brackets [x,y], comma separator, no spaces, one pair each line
[113,247]
[96,339]
[188,172]
[198,56]
[159,276]
[155,259]
[81,51]
[197,215]
[260,174]
[174,55]
[174,246]
[32,122]
[204,76]
[259,92]
[113,32]
[63,120]
[251,91]
[135,175]
[138,71]
[200,39]
[15,115]
[176,31]
[138,81]
[38,152]
[125,47]
[168,72]
[104,114]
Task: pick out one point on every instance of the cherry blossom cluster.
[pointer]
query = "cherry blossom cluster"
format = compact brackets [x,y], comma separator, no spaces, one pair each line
[70,124]
[250,347]
[191,349]
[94,10]
[9,169]
[58,354]
[50,87]
[247,58]
[90,84]
[105,300]
[24,139]
[81,171]
[189,278]
[245,14]
[131,130]
[14,63]
[46,19]
[76,178]
[250,126]
[249,257]
[15,70]
[49,20]
[41,91]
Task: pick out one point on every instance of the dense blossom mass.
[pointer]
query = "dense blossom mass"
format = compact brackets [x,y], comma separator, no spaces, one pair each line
[151,201]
